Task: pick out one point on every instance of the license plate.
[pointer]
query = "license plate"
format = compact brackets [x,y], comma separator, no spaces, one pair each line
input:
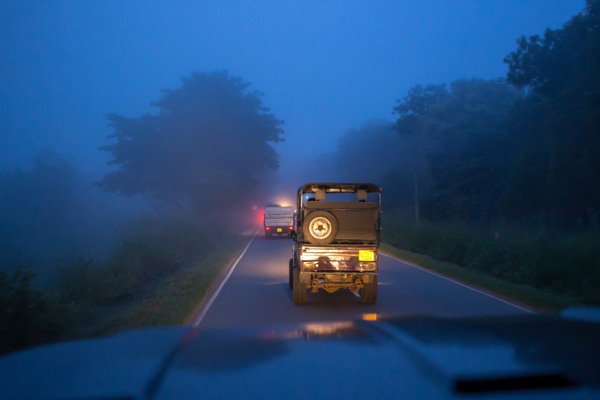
[279,230]
[366,255]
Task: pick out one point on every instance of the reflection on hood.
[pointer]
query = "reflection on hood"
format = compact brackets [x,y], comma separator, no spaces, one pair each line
[544,356]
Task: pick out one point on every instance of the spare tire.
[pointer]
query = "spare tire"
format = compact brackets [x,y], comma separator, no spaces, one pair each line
[320,227]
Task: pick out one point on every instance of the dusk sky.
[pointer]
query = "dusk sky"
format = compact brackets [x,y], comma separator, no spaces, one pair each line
[324,66]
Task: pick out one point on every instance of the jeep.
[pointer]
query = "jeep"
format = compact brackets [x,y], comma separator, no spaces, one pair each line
[336,240]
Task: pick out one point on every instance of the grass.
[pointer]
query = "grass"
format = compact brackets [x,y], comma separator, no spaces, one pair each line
[175,299]
[526,296]
[158,275]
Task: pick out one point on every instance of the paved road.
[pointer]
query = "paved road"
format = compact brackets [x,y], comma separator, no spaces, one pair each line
[257,294]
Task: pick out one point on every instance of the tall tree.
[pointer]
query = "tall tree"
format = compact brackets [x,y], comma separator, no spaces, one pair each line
[38,210]
[562,71]
[412,113]
[377,153]
[469,149]
[209,144]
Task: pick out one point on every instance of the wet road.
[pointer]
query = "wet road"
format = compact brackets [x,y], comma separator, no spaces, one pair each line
[256,293]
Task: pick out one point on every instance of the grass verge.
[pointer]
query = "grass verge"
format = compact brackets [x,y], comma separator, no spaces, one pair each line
[174,299]
[524,295]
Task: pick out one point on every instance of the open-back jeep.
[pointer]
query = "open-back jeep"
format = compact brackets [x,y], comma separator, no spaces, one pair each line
[336,240]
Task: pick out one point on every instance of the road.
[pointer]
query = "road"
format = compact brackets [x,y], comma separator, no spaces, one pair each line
[256,293]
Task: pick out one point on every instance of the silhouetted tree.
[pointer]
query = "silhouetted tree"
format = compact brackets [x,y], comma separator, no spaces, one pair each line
[209,144]
[469,149]
[377,153]
[26,316]
[559,132]
[36,209]
[413,112]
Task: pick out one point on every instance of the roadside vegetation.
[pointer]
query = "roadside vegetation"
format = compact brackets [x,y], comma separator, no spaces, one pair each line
[206,152]
[155,277]
[499,179]
[543,268]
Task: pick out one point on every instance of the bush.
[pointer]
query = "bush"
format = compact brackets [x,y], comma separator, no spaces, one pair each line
[559,262]
[152,247]
[27,316]
[86,295]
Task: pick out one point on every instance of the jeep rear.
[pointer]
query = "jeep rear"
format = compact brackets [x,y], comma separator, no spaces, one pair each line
[336,240]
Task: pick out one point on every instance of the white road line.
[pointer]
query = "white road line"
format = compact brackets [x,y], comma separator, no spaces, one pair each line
[214,296]
[459,283]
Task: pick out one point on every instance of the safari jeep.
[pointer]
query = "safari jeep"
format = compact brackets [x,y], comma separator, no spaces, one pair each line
[336,239]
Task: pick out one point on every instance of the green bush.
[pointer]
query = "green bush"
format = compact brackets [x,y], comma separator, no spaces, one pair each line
[152,247]
[28,316]
[87,295]
[559,262]
[76,281]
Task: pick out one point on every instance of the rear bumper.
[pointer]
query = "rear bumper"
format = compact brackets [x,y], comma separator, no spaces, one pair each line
[332,281]
[337,259]
[337,267]
[277,230]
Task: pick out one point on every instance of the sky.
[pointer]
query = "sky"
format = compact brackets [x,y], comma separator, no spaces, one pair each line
[324,67]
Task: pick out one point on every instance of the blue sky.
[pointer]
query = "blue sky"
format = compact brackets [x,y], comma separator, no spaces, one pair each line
[324,66]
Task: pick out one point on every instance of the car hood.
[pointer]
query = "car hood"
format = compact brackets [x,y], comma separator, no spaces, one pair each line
[531,356]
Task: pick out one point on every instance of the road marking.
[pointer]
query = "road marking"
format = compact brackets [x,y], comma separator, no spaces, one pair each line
[459,283]
[214,296]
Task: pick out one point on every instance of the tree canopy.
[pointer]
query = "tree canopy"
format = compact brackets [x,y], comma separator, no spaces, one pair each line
[525,147]
[458,144]
[209,144]
[557,128]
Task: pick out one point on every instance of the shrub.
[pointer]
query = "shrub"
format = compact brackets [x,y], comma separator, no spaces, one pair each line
[27,316]
[559,262]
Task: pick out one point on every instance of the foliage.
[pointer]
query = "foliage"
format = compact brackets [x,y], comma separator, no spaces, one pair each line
[27,317]
[175,298]
[459,143]
[209,144]
[41,196]
[413,111]
[154,246]
[557,129]
[158,256]
[483,150]
[553,261]
[469,150]
[376,153]
[49,212]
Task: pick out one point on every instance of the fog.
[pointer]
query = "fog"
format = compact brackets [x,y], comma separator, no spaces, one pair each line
[326,70]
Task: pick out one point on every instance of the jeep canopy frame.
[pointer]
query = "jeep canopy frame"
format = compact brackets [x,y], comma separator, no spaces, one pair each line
[356,218]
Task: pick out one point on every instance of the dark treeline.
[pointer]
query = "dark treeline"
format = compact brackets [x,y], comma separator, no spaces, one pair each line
[499,176]
[523,148]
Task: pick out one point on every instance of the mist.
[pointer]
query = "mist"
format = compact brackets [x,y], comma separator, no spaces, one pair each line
[326,77]
[139,142]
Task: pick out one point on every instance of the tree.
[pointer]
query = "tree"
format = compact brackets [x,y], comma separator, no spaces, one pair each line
[37,210]
[562,72]
[376,153]
[209,144]
[413,110]
[469,149]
